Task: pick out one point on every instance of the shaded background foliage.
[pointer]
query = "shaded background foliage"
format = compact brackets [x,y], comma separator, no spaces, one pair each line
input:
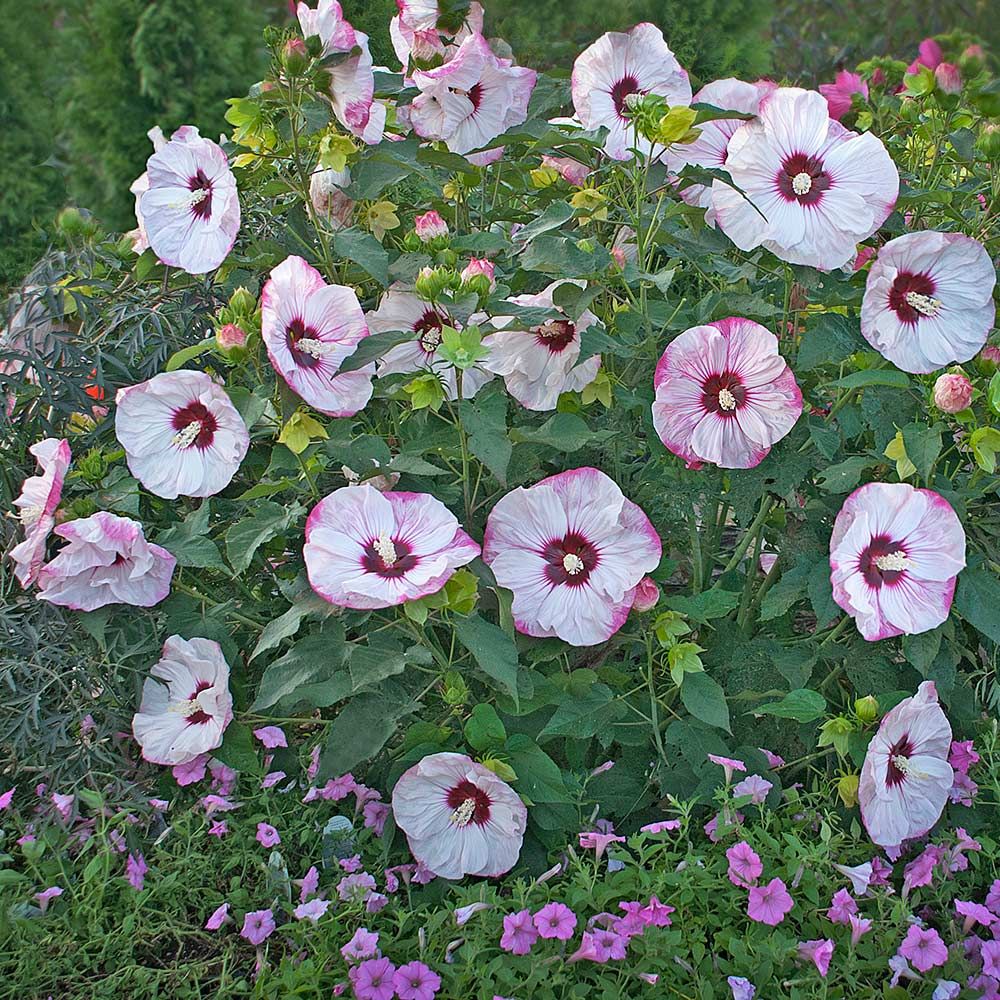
[84,80]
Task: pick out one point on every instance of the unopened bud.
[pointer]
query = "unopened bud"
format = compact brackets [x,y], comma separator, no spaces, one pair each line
[294,57]
[430,226]
[243,302]
[952,393]
[949,79]
[647,594]
[866,709]
[230,337]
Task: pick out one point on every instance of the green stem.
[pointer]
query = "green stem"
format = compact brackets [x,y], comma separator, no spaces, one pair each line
[766,506]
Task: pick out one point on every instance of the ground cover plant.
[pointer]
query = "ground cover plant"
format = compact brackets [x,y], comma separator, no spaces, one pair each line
[500,534]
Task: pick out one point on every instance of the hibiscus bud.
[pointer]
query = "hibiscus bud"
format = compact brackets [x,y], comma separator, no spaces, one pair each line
[952,393]
[647,594]
[243,302]
[949,79]
[446,258]
[847,789]
[479,266]
[455,689]
[294,57]
[230,339]
[865,254]
[866,709]
[431,282]
[430,226]
[989,140]
[989,359]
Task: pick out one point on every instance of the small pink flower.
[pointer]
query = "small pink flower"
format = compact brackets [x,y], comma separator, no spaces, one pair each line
[817,952]
[273,778]
[860,926]
[308,884]
[839,95]
[990,955]
[600,946]
[860,876]
[993,897]
[219,917]
[519,933]
[742,988]
[159,805]
[258,926]
[755,786]
[271,736]
[948,78]
[267,836]
[415,981]
[479,267]
[924,948]
[37,505]
[655,913]
[7,798]
[311,910]
[842,907]
[352,864]
[974,913]
[598,842]
[363,945]
[920,871]
[430,226]
[46,896]
[356,888]
[773,759]
[555,920]
[64,805]
[952,392]
[373,979]
[663,826]
[376,902]
[190,771]
[745,866]
[728,764]
[930,54]
[962,756]
[135,871]
[647,594]
[769,904]
[219,828]
[376,814]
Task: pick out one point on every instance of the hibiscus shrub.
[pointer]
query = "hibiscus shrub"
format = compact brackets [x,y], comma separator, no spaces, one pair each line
[545,474]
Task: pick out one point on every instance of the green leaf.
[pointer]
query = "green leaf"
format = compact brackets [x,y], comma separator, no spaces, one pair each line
[802,705]
[829,340]
[820,591]
[565,432]
[363,726]
[287,624]
[237,750]
[180,358]
[920,650]
[584,714]
[364,250]
[189,541]
[485,421]
[923,445]
[539,777]
[684,659]
[563,258]
[558,213]
[872,376]
[791,587]
[705,700]
[374,347]
[305,674]
[492,649]
[844,476]
[248,534]
[483,728]
[705,606]
[977,599]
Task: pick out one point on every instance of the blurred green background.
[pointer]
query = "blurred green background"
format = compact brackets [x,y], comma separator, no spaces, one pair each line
[83,80]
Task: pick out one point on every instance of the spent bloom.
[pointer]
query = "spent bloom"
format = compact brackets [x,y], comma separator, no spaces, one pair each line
[181,434]
[328,197]
[895,555]
[572,548]
[842,907]
[952,392]
[47,895]
[135,871]
[37,505]
[365,549]
[217,918]
[807,189]
[616,66]
[459,817]
[742,988]
[818,952]
[906,776]
[769,904]
[929,300]
[724,394]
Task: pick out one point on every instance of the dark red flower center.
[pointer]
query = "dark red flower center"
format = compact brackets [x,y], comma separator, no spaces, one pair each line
[723,394]
[625,86]
[200,717]
[883,562]
[202,208]
[556,335]
[428,331]
[199,414]
[476,96]
[911,296]
[902,748]
[295,332]
[470,804]
[388,557]
[570,560]
[802,179]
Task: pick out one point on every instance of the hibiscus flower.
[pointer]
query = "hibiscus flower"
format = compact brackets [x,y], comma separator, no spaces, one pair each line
[181,434]
[418,33]
[365,549]
[810,189]
[573,549]
[186,704]
[616,66]
[895,555]
[929,300]
[190,210]
[840,94]
[459,817]
[107,561]
[906,776]
[540,362]
[724,394]
[309,328]
[37,505]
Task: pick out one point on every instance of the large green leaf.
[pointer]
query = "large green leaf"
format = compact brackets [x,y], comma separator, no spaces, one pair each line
[485,421]
[803,705]
[566,432]
[584,714]
[704,698]
[248,534]
[492,649]
[705,606]
[366,251]
[363,726]
[977,600]
[189,541]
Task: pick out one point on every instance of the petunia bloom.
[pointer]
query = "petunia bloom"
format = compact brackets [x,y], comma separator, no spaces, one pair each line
[189,211]
[416,981]
[365,549]
[555,920]
[519,933]
[258,926]
[572,548]
[906,776]
[895,555]
[613,68]
[271,736]
[840,94]
[755,786]
[181,434]
[267,835]
[459,817]
[107,561]
[186,705]
[373,979]
[538,363]
[769,904]
[135,871]
[311,910]
[724,394]
[924,948]
[818,952]
[37,505]
[471,99]
[745,866]
[929,300]
[810,190]
[742,988]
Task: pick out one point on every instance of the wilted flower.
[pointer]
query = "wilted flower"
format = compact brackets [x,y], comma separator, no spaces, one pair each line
[326,192]
[818,952]
[572,171]
[37,505]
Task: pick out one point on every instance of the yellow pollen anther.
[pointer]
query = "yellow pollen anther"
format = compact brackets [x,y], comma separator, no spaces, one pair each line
[186,437]
[386,550]
[462,816]
[727,401]
[924,304]
[802,183]
[30,515]
[572,563]
[894,562]
[905,766]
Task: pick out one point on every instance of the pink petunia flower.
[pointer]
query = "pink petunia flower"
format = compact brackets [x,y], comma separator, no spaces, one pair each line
[895,555]
[818,952]
[840,94]
[190,771]
[363,945]
[724,394]
[655,913]
[352,864]
[186,705]
[376,814]
[598,842]
[773,759]
[555,920]
[459,817]
[7,798]
[37,505]
[218,917]
[356,888]
[745,866]
[990,954]
[755,786]
[538,363]
[993,897]
[860,876]
[920,871]
[906,777]
[181,433]
[415,981]
[572,548]
[365,549]
[219,828]
[616,66]
[107,561]
[309,329]
[924,948]
[271,736]
[373,979]
[662,826]
[258,926]
[47,895]
[267,836]
[471,99]
[769,904]
[807,189]
[742,988]
[311,910]
[842,907]
[189,209]
[974,913]
[728,764]
[601,946]
[929,300]
[63,805]
[860,926]
[135,871]
[962,755]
